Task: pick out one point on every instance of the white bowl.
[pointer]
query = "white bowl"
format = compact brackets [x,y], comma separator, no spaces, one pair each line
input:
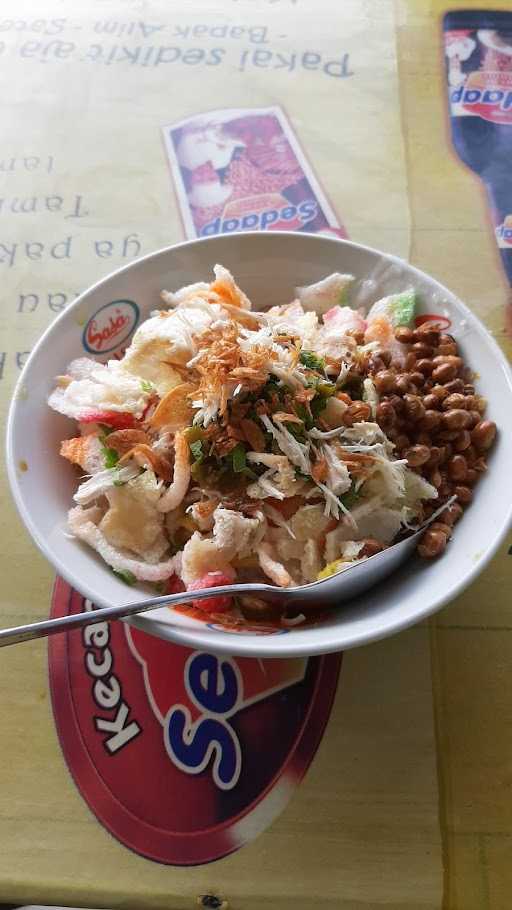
[267,266]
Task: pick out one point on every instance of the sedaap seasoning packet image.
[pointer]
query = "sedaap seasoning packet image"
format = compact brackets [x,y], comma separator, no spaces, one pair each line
[244,170]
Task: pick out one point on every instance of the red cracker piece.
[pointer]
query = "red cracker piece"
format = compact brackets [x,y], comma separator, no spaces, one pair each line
[120,420]
[212,604]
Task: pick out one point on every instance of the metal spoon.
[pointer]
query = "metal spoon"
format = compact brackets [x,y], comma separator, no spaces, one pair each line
[320,594]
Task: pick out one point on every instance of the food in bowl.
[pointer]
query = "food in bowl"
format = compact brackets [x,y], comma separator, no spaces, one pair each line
[283,445]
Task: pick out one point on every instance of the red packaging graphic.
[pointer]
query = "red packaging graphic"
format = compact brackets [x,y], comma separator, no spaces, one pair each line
[478,49]
[182,755]
[244,170]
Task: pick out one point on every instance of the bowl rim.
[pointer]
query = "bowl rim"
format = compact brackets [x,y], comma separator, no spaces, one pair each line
[252,645]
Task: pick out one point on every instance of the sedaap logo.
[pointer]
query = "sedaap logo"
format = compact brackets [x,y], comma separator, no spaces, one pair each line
[262,213]
[214,686]
[486,94]
[110,326]
[183,755]
[199,725]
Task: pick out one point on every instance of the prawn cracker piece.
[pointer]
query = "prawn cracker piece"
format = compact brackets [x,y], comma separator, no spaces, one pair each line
[173,496]
[227,289]
[84,451]
[174,412]
[132,521]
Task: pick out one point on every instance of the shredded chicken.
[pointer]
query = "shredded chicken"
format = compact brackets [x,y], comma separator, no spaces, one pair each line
[279,482]
[99,484]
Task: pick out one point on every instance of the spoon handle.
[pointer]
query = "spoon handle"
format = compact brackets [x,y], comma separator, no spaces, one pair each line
[78,620]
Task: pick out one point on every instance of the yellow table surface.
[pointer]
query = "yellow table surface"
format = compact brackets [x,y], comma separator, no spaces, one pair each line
[408,803]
